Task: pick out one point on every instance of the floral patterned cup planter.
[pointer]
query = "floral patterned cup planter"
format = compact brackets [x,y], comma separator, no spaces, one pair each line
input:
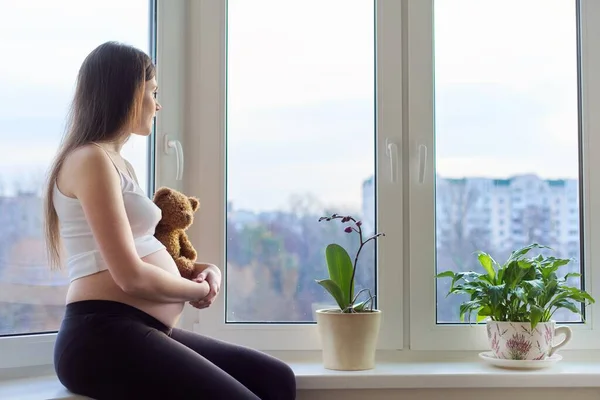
[517,341]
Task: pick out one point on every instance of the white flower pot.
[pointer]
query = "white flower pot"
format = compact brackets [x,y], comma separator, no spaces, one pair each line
[348,341]
[517,341]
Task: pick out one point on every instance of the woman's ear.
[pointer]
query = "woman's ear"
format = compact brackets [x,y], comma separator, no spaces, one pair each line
[195,203]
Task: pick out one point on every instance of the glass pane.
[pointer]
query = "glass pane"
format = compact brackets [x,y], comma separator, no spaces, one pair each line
[43,45]
[507,136]
[300,145]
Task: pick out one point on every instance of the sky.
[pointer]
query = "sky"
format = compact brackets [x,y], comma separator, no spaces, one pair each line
[42,45]
[506,80]
[301,90]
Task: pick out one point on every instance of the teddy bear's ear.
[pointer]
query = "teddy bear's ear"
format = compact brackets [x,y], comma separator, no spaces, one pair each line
[162,193]
[195,203]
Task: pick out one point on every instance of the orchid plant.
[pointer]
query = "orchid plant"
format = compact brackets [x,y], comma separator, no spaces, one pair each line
[342,271]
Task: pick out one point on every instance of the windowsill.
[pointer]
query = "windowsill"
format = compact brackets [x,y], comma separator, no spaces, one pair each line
[395,370]
[422,370]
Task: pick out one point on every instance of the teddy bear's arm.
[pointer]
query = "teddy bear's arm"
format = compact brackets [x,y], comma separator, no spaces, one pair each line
[187,250]
[185,267]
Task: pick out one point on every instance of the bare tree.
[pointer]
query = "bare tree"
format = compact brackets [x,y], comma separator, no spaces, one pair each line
[305,204]
[463,230]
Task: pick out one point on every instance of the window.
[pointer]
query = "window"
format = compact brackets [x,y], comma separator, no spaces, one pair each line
[504,112]
[300,145]
[42,45]
[330,106]
[484,87]
[299,115]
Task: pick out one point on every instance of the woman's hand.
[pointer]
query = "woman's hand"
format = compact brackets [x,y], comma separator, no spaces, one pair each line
[212,275]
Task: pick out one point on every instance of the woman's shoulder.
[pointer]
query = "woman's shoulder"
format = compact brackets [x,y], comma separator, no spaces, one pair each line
[84,164]
[86,153]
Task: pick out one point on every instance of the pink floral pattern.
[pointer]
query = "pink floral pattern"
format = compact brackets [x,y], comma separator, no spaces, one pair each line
[517,341]
[518,347]
[495,344]
[548,333]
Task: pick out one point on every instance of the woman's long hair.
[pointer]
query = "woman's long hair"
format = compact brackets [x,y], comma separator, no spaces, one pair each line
[108,99]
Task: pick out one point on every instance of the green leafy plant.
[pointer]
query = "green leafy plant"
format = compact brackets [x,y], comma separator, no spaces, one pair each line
[522,289]
[342,270]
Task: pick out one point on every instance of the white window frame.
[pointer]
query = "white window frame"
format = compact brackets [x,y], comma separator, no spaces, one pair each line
[425,334]
[37,349]
[191,74]
[205,139]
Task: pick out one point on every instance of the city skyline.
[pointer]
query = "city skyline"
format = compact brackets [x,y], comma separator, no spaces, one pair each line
[502,216]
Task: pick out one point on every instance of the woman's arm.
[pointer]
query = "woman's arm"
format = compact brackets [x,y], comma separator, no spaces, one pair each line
[210,273]
[96,184]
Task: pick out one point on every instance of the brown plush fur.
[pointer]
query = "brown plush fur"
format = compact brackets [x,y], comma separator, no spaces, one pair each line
[177,216]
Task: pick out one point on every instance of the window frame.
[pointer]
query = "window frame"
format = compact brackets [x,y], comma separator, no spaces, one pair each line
[205,134]
[425,334]
[190,54]
[166,33]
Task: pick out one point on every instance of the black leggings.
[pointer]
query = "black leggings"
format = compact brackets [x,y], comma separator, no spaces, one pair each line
[110,350]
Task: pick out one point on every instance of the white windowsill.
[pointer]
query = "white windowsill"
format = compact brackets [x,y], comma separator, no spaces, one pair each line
[401,370]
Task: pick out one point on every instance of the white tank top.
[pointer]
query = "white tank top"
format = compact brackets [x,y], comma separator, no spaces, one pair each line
[82,254]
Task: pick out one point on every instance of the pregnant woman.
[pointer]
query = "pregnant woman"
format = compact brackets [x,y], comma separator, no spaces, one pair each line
[117,339]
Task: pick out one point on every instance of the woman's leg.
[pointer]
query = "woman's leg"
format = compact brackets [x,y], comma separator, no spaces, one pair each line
[266,376]
[120,358]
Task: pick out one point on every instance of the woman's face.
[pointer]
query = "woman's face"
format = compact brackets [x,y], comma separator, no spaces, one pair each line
[149,108]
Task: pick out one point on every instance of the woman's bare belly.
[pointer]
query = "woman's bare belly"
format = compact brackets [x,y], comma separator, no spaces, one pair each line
[101,286]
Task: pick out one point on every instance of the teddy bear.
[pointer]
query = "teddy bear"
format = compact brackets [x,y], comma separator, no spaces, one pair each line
[177,216]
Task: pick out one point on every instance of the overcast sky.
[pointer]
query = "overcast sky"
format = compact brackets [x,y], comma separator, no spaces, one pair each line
[301,89]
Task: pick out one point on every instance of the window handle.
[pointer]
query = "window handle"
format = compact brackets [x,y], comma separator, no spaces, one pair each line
[422,162]
[392,153]
[176,145]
